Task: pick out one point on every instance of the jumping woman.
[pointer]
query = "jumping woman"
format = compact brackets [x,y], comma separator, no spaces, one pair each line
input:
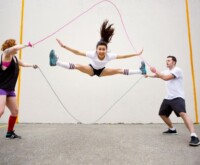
[98,58]
[9,70]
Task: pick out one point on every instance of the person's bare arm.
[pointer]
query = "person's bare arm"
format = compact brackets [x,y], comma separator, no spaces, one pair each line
[14,49]
[21,63]
[161,75]
[70,49]
[129,55]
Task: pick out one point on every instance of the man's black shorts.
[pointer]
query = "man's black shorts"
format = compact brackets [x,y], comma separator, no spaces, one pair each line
[177,105]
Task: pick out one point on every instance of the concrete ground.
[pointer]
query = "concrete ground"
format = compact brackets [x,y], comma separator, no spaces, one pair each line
[79,144]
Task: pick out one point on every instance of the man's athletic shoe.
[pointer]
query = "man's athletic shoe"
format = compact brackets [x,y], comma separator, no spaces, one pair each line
[143,68]
[12,135]
[170,132]
[194,141]
[52,58]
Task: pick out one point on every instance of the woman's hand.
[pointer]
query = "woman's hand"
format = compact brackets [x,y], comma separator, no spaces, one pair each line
[35,66]
[60,43]
[140,52]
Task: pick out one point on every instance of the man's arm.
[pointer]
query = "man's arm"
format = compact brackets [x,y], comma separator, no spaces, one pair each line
[160,75]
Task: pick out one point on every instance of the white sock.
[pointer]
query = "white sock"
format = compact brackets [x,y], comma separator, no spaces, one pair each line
[172,129]
[131,72]
[193,134]
[65,65]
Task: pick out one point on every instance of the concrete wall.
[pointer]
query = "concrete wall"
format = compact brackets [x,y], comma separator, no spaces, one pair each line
[158,26]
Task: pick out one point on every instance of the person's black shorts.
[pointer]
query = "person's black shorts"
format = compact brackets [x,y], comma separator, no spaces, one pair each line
[177,105]
[97,71]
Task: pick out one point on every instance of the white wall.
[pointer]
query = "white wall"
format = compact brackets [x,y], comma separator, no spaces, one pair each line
[158,26]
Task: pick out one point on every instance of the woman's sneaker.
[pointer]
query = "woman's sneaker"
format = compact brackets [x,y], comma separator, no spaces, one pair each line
[143,68]
[12,135]
[170,132]
[194,141]
[52,58]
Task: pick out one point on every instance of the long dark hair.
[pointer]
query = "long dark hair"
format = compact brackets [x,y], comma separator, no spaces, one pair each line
[106,32]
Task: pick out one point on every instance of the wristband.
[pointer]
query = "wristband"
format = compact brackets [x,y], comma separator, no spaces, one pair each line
[30,44]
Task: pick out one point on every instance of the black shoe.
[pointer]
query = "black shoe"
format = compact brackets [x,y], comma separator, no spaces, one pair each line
[194,141]
[12,135]
[170,132]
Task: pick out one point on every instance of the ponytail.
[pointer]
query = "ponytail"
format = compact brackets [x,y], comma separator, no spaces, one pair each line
[106,32]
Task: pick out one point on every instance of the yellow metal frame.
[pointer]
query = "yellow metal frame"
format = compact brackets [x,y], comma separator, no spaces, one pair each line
[20,53]
[191,63]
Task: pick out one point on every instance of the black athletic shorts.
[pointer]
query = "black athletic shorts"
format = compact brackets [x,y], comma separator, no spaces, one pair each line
[97,71]
[177,105]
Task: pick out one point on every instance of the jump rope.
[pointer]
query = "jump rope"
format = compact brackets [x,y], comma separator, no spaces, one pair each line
[65,25]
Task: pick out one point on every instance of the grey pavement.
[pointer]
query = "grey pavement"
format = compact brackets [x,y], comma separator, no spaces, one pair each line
[98,144]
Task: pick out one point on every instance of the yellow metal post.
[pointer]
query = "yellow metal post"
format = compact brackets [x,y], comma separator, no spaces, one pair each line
[20,52]
[191,62]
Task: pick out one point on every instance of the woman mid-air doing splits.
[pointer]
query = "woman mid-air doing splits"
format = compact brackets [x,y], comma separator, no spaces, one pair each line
[98,58]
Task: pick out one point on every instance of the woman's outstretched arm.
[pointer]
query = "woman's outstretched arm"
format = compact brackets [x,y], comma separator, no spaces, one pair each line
[70,49]
[12,50]
[129,55]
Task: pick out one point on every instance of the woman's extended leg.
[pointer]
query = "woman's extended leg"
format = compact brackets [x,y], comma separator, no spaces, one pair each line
[109,71]
[82,68]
